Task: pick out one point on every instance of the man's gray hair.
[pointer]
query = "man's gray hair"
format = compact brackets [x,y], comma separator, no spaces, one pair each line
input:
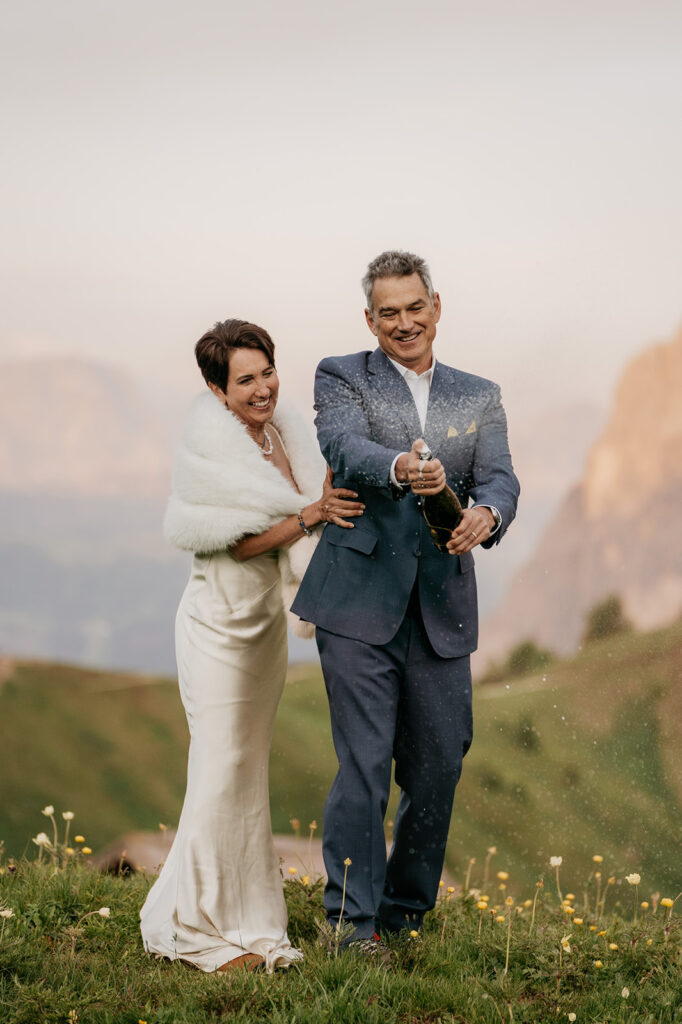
[396,263]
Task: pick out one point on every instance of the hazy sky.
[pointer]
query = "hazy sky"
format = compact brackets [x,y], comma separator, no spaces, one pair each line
[168,164]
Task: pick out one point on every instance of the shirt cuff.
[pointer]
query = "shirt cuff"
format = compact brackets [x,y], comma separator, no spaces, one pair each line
[393,478]
[496,516]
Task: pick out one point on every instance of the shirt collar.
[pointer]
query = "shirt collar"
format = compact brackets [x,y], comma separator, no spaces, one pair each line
[408,374]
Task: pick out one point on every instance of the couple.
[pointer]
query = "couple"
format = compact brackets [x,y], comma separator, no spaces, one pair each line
[395,619]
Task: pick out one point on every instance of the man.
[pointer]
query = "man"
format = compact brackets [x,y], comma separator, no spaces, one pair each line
[396,618]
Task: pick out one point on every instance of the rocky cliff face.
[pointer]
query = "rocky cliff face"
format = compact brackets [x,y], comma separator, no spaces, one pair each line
[618,531]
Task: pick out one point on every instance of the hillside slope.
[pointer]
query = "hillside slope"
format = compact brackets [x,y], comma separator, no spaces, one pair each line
[580,761]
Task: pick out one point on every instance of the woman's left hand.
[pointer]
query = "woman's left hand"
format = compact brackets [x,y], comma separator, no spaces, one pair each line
[336,504]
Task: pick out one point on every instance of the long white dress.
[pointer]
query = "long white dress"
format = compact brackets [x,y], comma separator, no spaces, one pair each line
[219,893]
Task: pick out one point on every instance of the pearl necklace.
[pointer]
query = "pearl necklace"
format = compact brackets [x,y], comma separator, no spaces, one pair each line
[267,441]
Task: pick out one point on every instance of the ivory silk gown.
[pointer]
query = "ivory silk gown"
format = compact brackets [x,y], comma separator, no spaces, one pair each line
[220,893]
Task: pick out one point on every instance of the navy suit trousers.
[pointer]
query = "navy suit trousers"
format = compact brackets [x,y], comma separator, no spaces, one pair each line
[398,701]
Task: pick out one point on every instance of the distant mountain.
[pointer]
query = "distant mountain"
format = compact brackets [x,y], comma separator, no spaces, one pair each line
[618,529]
[85,456]
[73,428]
[548,452]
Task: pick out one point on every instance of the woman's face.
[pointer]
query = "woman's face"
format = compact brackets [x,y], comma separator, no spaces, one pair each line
[252,387]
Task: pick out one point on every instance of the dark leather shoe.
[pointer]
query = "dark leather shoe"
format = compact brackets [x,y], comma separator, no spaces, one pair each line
[373,948]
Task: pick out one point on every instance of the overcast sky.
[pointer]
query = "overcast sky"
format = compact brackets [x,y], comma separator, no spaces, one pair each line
[168,164]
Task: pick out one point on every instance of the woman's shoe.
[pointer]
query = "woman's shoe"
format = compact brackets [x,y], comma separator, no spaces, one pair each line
[245,962]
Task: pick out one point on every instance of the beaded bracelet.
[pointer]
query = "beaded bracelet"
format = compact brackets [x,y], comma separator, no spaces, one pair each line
[305,529]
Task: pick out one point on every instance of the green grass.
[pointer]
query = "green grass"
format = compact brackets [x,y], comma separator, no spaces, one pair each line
[578,760]
[54,961]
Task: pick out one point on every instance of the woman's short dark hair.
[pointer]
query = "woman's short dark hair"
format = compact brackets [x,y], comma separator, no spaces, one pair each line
[213,348]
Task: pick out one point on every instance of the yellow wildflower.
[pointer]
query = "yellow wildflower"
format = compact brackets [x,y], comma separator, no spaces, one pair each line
[86,850]
[601,934]
[509,901]
[500,918]
[492,850]
[348,862]
[451,888]
[568,910]
[577,920]
[569,897]
[482,905]
[414,934]
[613,945]
[79,839]
[597,858]
[667,902]
[598,963]
[644,905]
[292,870]
[503,875]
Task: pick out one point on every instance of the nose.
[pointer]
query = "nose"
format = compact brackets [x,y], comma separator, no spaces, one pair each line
[405,321]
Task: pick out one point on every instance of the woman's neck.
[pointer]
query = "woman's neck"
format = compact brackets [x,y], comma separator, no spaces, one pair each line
[257,434]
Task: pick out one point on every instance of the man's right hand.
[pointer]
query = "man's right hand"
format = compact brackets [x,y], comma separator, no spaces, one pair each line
[423,477]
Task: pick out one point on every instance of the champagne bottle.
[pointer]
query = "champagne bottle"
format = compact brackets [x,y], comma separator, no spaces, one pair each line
[442,511]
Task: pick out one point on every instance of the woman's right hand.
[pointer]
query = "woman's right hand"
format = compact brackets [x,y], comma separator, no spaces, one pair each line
[336,504]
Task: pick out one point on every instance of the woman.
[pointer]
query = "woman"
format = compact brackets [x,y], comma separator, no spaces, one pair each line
[243,478]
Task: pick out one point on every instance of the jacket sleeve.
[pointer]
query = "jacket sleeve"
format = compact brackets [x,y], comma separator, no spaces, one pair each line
[495,482]
[343,430]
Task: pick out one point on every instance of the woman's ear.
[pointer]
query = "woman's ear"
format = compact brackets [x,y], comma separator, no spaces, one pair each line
[218,393]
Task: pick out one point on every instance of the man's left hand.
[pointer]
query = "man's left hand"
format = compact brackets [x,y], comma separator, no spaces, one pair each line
[476,526]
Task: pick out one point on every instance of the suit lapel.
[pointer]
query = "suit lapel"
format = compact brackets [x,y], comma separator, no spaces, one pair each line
[440,406]
[386,379]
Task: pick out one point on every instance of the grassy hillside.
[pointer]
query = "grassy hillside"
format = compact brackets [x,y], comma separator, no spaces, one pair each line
[580,760]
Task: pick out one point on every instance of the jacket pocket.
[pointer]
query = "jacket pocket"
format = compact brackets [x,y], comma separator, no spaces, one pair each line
[356,539]
[466,562]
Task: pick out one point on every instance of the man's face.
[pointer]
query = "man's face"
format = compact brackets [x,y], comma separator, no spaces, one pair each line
[404,320]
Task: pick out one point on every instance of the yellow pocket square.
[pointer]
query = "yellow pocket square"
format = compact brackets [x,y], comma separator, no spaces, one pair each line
[471,429]
[453,432]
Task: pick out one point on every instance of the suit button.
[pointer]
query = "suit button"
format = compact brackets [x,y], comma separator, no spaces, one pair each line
[417,552]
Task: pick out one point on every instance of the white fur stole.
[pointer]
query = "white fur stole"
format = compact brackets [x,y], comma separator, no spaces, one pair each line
[223,489]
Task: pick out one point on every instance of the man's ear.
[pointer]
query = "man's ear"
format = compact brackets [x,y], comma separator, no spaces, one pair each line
[370,323]
[436,307]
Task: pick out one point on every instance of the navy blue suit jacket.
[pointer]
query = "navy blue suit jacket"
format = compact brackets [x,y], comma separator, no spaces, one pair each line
[359,581]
